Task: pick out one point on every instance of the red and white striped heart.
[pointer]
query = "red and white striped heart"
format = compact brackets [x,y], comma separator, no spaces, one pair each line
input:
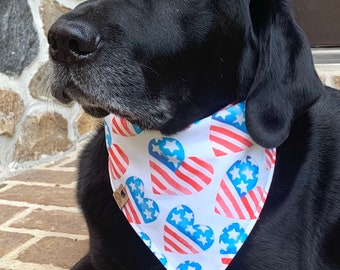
[173,173]
[228,133]
[123,127]
[183,236]
[239,196]
[118,162]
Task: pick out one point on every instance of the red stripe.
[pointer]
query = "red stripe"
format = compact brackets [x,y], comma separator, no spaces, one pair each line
[127,214]
[127,127]
[218,152]
[232,200]
[270,158]
[205,178]
[131,210]
[173,245]
[113,170]
[122,154]
[261,193]
[168,178]
[271,154]
[186,178]
[232,147]
[217,211]
[180,239]
[159,184]
[117,163]
[247,206]
[226,261]
[231,134]
[223,205]
[116,127]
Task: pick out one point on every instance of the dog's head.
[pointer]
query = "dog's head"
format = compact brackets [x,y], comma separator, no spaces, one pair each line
[162,64]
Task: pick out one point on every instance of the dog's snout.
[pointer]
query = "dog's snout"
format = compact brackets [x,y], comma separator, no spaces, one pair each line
[72,41]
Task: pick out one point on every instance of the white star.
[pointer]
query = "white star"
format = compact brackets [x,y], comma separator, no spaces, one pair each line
[189,216]
[203,228]
[235,173]
[147,242]
[176,218]
[150,203]
[171,146]
[148,214]
[173,160]
[202,239]
[190,229]
[139,199]
[243,187]
[238,245]
[224,246]
[240,119]
[248,173]
[233,234]
[133,186]
[191,268]
[223,114]
[155,148]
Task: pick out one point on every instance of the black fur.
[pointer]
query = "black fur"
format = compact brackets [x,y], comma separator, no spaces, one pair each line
[163,64]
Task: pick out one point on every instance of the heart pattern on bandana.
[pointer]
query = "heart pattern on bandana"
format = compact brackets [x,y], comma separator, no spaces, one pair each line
[139,209]
[231,240]
[189,265]
[182,236]
[173,173]
[118,162]
[153,190]
[238,195]
[124,128]
[147,241]
[228,132]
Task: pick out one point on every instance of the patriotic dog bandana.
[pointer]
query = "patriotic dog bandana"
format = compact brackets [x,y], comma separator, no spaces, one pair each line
[195,196]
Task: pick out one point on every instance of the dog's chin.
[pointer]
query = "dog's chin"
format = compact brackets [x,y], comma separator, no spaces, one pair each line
[95,111]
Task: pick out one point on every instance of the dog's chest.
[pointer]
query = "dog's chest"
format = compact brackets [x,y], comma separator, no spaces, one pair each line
[193,197]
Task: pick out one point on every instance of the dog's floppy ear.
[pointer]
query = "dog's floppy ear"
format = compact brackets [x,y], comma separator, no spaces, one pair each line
[277,76]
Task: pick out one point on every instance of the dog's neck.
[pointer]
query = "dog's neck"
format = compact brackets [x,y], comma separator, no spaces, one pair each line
[194,196]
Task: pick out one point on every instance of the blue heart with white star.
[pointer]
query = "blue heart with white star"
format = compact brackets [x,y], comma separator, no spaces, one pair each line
[167,150]
[180,229]
[173,173]
[244,175]
[232,238]
[232,115]
[147,207]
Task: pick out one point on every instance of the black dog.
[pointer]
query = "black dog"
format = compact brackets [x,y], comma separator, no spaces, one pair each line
[163,64]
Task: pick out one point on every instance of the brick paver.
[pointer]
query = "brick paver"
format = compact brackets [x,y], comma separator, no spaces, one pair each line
[41,227]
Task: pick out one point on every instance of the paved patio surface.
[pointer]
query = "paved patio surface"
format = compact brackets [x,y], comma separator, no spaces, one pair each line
[41,227]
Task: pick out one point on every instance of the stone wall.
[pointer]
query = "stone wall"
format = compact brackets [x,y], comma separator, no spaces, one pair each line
[33,126]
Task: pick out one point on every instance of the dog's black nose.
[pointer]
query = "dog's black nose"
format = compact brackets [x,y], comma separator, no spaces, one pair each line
[72,41]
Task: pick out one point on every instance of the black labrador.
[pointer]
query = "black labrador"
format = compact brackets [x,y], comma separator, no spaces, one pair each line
[163,64]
